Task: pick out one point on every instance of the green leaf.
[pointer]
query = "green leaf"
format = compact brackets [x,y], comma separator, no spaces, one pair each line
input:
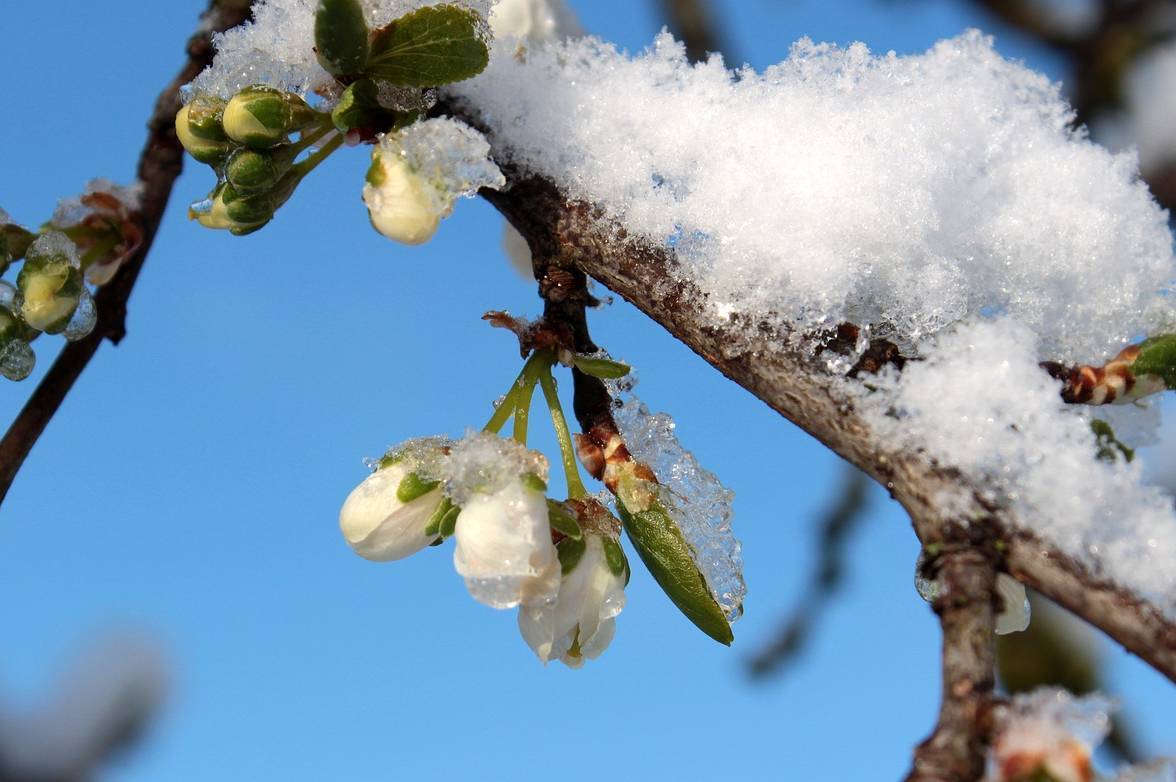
[412,486]
[602,368]
[1157,356]
[341,37]
[430,46]
[562,521]
[359,107]
[570,552]
[670,561]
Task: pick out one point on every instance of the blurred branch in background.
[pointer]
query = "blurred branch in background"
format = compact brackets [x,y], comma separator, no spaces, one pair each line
[842,519]
[692,22]
[99,708]
[1059,650]
[1104,44]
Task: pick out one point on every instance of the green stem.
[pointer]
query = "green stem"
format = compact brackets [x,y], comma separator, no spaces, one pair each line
[567,451]
[310,138]
[509,404]
[308,165]
[522,413]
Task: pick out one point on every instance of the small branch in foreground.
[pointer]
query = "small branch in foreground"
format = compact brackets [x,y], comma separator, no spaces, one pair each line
[159,166]
[956,751]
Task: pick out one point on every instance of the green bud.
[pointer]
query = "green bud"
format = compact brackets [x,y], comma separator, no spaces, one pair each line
[213,213]
[50,288]
[262,117]
[250,171]
[205,117]
[16,357]
[211,152]
[14,242]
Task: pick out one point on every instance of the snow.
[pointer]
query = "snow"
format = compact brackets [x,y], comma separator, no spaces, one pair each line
[485,464]
[450,155]
[904,193]
[1034,455]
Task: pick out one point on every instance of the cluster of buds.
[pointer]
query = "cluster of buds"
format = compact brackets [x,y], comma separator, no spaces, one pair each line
[247,142]
[559,563]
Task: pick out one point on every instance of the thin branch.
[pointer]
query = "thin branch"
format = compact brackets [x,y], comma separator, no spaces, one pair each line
[836,526]
[159,166]
[955,751]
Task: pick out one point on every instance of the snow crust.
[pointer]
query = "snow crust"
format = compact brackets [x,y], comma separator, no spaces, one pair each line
[980,403]
[904,193]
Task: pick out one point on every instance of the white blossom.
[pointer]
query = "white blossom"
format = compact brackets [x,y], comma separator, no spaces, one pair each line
[398,202]
[381,527]
[504,549]
[581,623]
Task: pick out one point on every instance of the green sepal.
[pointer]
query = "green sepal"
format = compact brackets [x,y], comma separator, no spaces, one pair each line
[670,561]
[614,555]
[428,47]
[534,482]
[341,37]
[570,551]
[1157,357]
[413,486]
[449,522]
[603,368]
[434,525]
[360,108]
[1110,448]
[562,521]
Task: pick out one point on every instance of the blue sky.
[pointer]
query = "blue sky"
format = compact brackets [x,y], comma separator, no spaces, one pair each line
[190,486]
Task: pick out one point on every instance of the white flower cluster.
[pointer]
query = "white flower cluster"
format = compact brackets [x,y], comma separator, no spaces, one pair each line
[488,493]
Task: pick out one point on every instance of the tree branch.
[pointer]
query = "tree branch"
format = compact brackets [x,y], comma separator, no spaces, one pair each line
[764,360]
[160,164]
[955,751]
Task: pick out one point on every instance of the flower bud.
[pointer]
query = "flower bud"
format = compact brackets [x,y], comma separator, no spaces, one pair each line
[205,117]
[250,171]
[398,200]
[504,550]
[16,357]
[262,117]
[50,284]
[580,624]
[204,150]
[387,516]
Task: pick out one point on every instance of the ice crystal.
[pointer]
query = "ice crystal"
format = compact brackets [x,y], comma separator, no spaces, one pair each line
[693,495]
[450,155]
[484,463]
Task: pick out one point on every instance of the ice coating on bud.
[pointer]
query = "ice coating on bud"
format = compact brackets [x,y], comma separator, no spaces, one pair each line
[16,356]
[418,173]
[85,317]
[695,498]
[378,525]
[483,463]
[581,623]
[277,47]
[50,283]
[504,549]
[1049,731]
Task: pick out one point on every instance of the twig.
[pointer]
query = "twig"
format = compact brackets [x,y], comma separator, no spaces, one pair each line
[159,166]
[955,751]
[836,526]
